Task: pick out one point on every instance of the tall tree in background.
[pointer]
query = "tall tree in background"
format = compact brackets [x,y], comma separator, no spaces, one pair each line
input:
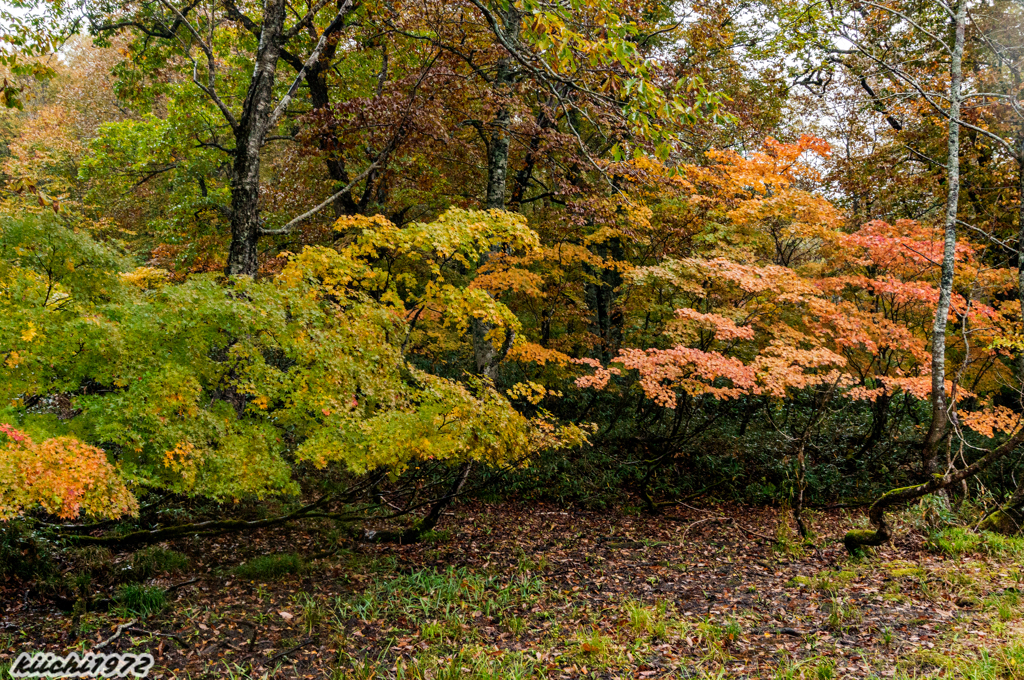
[191,30]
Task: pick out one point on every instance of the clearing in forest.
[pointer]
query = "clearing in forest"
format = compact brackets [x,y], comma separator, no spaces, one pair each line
[541,592]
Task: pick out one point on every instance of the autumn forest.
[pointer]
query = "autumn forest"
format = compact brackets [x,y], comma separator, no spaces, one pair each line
[390,339]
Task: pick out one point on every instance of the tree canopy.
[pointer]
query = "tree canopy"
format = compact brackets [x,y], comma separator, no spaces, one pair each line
[359,253]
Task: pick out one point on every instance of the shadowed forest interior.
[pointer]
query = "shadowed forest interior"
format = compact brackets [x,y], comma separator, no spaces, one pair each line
[512,338]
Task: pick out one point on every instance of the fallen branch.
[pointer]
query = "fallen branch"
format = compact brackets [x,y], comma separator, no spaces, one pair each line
[210,528]
[732,521]
[120,629]
[700,521]
[171,589]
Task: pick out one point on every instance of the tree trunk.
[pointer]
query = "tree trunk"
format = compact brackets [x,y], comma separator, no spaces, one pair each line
[855,540]
[415,533]
[1008,519]
[801,487]
[250,134]
[486,358]
[328,142]
[497,159]
[602,298]
[939,427]
[879,421]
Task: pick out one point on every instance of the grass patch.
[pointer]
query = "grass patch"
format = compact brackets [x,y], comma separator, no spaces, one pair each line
[843,615]
[594,645]
[787,542]
[432,595]
[268,567]
[959,541]
[139,600]
[646,620]
[466,664]
[1007,607]
[157,560]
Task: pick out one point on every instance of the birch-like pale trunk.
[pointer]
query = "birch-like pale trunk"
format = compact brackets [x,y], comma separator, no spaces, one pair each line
[940,417]
[249,136]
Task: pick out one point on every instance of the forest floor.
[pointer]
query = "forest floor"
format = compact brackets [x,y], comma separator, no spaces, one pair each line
[540,592]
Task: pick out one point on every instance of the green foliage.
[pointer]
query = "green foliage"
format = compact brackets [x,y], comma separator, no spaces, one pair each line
[213,388]
[156,148]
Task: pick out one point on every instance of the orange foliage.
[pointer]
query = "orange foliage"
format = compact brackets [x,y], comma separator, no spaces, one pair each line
[61,476]
[782,298]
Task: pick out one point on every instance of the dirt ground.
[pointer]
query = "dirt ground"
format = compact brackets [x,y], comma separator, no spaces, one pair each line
[513,591]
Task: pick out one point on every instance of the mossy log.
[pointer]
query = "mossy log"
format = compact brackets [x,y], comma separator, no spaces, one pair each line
[857,539]
[1008,521]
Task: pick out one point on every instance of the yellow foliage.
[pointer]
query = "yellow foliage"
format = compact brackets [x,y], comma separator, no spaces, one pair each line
[146,278]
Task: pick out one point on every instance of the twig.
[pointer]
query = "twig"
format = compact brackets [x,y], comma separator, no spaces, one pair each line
[120,629]
[171,589]
[749,531]
[312,211]
[286,652]
[700,521]
[176,638]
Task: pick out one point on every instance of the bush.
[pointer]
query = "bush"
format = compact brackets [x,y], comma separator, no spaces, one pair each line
[22,553]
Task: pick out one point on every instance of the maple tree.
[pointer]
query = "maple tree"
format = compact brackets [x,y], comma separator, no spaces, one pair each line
[310,272]
[311,366]
[542,220]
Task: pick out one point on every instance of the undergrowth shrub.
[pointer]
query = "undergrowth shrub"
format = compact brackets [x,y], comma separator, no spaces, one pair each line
[24,554]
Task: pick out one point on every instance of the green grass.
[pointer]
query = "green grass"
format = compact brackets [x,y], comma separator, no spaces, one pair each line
[594,645]
[1005,662]
[432,595]
[268,567]
[157,560]
[843,615]
[469,664]
[644,619]
[1007,606]
[787,542]
[959,541]
[314,611]
[139,600]
[827,581]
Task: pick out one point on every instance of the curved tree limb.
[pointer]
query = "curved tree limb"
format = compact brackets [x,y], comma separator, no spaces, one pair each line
[855,540]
